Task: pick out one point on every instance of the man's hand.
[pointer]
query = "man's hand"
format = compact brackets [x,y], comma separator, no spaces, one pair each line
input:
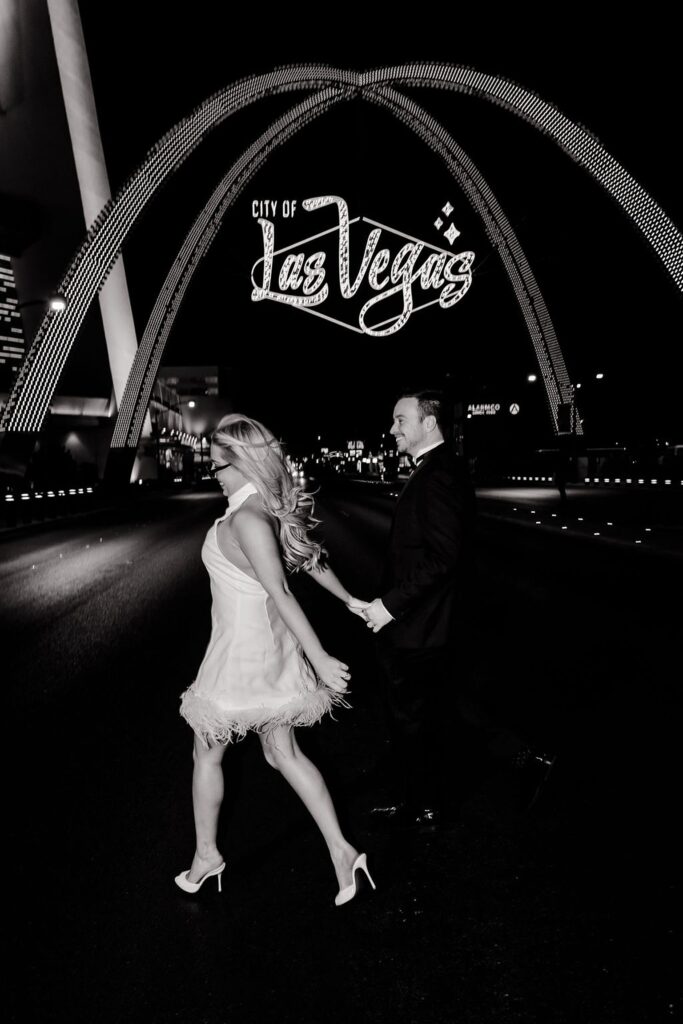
[355,605]
[377,616]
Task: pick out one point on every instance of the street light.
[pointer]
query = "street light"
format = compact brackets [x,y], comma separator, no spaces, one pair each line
[56,303]
[531,377]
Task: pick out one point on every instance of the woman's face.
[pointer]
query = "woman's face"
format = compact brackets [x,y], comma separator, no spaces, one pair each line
[229,479]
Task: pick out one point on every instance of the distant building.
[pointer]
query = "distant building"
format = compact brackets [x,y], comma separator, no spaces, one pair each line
[185,405]
[12,341]
[200,395]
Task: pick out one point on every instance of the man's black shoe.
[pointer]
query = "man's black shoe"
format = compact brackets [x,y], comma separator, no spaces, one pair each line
[534,767]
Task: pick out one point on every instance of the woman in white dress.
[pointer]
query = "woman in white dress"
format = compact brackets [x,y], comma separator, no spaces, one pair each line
[264,669]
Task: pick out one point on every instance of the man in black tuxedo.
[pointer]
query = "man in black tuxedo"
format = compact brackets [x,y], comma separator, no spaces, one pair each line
[422,619]
[422,646]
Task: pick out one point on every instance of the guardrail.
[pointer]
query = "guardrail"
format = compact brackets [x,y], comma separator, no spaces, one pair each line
[602,481]
[20,507]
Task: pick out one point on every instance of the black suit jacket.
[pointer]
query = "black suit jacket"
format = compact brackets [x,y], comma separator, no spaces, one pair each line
[430,553]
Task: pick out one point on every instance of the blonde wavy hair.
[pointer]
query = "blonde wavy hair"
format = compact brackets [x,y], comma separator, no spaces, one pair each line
[258,455]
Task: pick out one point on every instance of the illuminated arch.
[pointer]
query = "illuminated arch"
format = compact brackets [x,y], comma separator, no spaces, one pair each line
[36,381]
[33,390]
[195,246]
[503,238]
[198,240]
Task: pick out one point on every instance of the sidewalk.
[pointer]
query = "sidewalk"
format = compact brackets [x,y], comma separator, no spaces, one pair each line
[651,520]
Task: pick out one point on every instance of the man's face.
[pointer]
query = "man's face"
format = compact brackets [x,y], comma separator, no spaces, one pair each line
[408,429]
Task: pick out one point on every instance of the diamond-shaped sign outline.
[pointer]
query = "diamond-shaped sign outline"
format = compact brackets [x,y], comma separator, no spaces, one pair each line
[328,231]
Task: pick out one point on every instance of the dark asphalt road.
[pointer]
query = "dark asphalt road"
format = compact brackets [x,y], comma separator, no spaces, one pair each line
[563,915]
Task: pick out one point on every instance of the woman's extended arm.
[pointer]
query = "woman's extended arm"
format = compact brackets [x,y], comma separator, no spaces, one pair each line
[255,534]
[329,581]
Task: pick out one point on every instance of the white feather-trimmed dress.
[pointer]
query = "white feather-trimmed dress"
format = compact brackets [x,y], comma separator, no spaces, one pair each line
[254,675]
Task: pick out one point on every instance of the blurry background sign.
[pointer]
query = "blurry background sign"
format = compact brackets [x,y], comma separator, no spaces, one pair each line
[484,408]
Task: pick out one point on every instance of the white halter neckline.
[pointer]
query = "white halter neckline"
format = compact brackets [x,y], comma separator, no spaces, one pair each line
[240,496]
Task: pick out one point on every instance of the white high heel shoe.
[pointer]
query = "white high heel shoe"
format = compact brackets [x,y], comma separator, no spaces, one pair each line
[346,894]
[182,882]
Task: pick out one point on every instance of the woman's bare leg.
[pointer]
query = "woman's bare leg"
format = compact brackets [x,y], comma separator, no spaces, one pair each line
[283,752]
[207,796]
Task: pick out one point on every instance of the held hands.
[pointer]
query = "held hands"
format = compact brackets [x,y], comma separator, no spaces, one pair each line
[357,607]
[332,672]
[373,613]
[377,616]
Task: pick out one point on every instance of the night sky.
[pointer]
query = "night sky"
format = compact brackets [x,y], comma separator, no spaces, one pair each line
[614,307]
